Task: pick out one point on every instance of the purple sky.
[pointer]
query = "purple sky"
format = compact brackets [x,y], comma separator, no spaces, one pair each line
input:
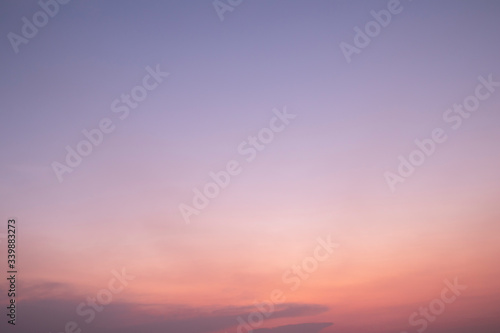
[323,173]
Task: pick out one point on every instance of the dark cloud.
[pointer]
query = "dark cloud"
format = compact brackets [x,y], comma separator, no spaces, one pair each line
[46,289]
[298,328]
[53,315]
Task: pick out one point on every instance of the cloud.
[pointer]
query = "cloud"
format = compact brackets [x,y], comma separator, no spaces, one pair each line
[220,319]
[297,328]
[43,290]
[52,316]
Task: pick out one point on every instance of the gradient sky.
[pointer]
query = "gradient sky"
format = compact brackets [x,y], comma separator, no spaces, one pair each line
[323,175]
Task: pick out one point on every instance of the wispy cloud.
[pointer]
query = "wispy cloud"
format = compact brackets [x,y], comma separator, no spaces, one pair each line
[130,318]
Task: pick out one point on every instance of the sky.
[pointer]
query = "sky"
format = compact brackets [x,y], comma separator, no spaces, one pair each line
[235,165]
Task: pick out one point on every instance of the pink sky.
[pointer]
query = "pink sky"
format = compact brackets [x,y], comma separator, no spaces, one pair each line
[320,176]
